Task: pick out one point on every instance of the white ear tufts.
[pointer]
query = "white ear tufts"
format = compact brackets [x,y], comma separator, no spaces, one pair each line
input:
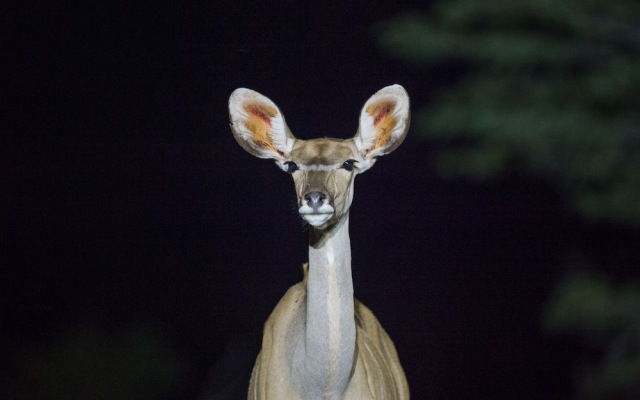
[384,121]
[258,125]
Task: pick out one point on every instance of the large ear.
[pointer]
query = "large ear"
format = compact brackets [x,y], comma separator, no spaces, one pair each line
[384,121]
[259,126]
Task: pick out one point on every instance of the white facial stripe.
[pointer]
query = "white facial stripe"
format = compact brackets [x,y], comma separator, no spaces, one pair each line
[319,167]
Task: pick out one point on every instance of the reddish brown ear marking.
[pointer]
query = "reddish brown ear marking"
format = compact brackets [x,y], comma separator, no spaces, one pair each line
[261,111]
[259,123]
[383,121]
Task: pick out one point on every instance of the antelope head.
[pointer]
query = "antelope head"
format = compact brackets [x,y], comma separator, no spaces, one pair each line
[324,169]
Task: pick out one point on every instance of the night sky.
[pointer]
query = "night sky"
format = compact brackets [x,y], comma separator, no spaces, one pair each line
[124,197]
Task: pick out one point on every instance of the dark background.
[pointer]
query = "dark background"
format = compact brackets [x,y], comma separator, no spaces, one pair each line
[124,197]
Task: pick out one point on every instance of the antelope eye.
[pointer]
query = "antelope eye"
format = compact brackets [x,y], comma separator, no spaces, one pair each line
[291,167]
[349,164]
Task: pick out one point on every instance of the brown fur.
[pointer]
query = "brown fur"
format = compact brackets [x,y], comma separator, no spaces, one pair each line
[377,373]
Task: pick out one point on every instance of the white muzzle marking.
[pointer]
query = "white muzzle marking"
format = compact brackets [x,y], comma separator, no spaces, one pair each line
[317,219]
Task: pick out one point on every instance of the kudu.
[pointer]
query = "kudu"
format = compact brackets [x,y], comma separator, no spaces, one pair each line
[319,342]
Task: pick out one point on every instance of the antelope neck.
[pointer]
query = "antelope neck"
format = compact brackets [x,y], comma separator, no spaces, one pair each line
[330,331]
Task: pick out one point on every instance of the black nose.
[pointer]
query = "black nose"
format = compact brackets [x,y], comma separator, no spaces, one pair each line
[315,200]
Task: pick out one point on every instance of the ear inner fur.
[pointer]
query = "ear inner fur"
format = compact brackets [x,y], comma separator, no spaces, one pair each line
[383,121]
[259,124]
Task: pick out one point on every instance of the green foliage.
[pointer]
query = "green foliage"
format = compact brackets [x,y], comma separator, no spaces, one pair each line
[608,317]
[589,303]
[549,89]
[546,88]
[86,362]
